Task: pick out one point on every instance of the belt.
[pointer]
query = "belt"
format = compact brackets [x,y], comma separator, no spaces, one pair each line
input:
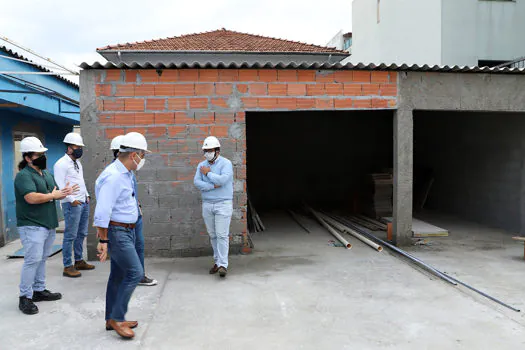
[121,224]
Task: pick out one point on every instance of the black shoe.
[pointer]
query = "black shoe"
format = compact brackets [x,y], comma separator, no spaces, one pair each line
[46,295]
[146,281]
[27,306]
[223,271]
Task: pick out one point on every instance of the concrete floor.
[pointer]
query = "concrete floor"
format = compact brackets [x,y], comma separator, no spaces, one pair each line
[295,292]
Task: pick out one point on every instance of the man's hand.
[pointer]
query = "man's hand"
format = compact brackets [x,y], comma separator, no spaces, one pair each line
[75,203]
[102,249]
[205,170]
[216,186]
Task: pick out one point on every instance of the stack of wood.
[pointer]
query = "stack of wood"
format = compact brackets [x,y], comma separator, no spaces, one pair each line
[254,221]
[383,194]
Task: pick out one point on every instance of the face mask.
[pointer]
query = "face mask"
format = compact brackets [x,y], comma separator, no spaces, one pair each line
[140,164]
[77,153]
[40,162]
[210,156]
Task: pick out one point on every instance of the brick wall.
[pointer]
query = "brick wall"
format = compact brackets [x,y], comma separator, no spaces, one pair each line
[177,109]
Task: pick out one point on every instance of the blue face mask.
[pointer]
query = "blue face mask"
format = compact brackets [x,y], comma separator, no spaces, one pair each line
[77,153]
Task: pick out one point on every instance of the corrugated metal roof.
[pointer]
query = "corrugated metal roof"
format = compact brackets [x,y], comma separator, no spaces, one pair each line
[333,66]
[36,65]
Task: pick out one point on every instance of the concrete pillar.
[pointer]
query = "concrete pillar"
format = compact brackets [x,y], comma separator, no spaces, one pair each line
[403,176]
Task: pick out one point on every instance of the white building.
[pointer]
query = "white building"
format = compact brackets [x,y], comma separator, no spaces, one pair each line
[442,32]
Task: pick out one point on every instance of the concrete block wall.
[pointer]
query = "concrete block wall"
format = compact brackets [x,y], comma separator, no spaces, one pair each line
[176,109]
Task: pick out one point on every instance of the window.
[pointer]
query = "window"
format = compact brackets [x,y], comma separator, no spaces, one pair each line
[347,43]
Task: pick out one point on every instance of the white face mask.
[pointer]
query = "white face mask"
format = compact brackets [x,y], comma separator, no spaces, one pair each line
[139,164]
[209,156]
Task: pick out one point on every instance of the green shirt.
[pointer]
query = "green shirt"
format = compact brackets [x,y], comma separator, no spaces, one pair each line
[28,180]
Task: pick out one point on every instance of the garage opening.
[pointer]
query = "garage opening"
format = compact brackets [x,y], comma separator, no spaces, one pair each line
[325,159]
[468,170]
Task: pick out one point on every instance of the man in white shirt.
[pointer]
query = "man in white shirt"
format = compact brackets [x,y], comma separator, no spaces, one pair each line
[68,170]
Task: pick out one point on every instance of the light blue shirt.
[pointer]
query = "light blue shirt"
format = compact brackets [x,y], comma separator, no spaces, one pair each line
[221,174]
[115,195]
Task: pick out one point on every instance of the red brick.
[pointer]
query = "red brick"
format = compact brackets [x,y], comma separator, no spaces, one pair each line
[204,89]
[204,117]
[277,89]
[242,88]
[141,130]
[296,89]
[222,89]
[177,104]
[343,103]
[219,102]
[267,103]
[168,146]
[370,89]
[106,119]
[361,76]
[125,90]
[324,103]
[155,132]
[149,76]
[388,90]
[305,103]
[334,89]
[177,131]
[287,102]
[169,76]
[188,75]
[164,118]
[288,75]
[164,89]
[224,118]
[325,77]
[114,132]
[248,75]
[393,77]
[113,105]
[113,75]
[155,104]
[100,104]
[145,90]
[198,103]
[134,104]
[103,90]
[379,103]
[219,131]
[208,75]
[240,116]
[367,103]
[229,75]
[131,76]
[258,89]
[196,131]
[240,173]
[249,102]
[184,90]
[315,90]
[392,103]
[306,75]
[144,118]
[353,89]
[267,75]
[184,118]
[379,77]
[184,175]
[344,76]
[125,119]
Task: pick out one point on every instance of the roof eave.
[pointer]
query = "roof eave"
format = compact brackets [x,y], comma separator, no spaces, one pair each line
[215,52]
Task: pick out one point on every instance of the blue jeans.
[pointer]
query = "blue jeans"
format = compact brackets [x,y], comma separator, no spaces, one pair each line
[217,217]
[37,242]
[139,240]
[125,274]
[76,219]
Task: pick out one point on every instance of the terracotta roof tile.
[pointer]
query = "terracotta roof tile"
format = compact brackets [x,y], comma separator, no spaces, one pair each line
[223,40]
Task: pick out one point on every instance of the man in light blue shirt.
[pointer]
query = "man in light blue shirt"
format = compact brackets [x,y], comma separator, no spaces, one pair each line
[116,215]
[214,178]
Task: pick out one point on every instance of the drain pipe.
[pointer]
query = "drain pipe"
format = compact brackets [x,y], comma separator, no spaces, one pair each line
[330,229]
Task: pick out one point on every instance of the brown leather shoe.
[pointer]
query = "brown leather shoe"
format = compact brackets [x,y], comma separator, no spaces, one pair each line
[82,265]
[214,269]
[223,271]
[122,329]
[70,271]
[130,324]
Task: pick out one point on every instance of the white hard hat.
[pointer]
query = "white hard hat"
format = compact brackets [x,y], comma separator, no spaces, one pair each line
[32,144]
[115,143]
[134,140]
[211,142]
[74,139]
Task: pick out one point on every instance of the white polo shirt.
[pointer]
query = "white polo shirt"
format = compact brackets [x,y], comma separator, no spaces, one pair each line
[65,171]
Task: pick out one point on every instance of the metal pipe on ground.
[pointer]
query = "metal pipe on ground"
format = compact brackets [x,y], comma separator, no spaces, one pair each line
[330,229]
[296,219]
[344,228]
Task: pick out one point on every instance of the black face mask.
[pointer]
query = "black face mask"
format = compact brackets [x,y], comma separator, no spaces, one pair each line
[77,153]
[41,162]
